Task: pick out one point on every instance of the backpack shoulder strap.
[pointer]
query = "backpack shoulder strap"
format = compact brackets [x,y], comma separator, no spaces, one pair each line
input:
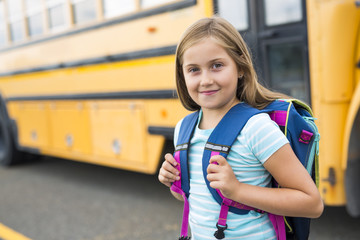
[182,186]
[221,140]
[226,132]
[187,127]
[181,150]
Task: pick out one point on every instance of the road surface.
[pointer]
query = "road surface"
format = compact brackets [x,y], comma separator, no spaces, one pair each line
[54,199]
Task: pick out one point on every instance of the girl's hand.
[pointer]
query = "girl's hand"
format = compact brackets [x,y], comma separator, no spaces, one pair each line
[168,172]
[221,176]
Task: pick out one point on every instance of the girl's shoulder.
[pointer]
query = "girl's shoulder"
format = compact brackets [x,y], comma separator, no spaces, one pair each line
[178,125]
[259,121]
[262,136]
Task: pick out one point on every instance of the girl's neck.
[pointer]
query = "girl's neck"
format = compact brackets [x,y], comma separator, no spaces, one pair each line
[211,117]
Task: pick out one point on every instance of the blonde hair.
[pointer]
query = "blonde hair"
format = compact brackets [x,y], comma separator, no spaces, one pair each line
[249,89]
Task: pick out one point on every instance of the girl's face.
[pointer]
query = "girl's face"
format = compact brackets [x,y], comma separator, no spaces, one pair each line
[211,76]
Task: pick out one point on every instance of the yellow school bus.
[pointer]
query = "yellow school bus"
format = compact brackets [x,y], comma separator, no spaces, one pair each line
[93,80]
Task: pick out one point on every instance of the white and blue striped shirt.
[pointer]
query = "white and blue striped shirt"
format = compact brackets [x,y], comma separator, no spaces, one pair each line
[259,139]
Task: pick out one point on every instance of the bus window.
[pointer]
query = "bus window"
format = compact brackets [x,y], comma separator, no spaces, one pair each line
[286,69]
[152,3]
[16,31]
[16,21]
[34,12]
[281,12]
[3,38]
[84,11]
[235,11]
[113,8]
[56,14]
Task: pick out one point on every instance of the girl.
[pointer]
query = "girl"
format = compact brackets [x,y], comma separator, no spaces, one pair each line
[214,72]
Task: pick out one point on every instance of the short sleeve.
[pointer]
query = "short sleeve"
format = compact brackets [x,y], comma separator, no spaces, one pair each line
[263,136]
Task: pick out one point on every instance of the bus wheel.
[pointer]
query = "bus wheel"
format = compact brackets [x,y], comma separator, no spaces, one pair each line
[352,175]
[8,153]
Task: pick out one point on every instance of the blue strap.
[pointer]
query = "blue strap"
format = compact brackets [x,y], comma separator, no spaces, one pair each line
[224,136]
[186,131]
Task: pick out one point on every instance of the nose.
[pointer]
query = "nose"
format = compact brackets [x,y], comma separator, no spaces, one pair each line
[206,79]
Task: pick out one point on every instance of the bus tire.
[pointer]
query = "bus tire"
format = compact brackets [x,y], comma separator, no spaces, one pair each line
[352,174]
[8,152]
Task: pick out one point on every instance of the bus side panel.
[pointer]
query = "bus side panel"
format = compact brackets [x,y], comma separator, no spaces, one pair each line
[331,174]
[70,126]
[118,131]
[112,133]
[351,146]
[159,114]
[333,29]
[32,121]
[339,21]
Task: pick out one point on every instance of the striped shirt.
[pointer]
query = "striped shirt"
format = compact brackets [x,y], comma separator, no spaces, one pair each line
[258,140]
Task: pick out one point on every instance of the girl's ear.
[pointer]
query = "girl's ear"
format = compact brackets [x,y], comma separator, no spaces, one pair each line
[241,74]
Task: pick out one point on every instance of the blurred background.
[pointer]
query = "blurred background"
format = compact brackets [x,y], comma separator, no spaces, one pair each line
[92,81]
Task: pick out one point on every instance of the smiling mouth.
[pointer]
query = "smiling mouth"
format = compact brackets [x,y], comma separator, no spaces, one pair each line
[209,92]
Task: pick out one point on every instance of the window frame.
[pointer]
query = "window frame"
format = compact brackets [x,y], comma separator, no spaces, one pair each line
[31,12]
[16,18]
[248,9]
[280,24]
[4,23]
[141,7]
[88,21]
[51,4]
[286,40]
[105,16]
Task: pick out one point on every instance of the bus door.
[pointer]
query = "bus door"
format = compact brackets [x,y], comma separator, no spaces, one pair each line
[276,33]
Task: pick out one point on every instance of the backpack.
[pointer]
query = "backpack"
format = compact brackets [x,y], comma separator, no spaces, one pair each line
[295,120]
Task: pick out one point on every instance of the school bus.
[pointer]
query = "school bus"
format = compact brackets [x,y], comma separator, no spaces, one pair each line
[93,80]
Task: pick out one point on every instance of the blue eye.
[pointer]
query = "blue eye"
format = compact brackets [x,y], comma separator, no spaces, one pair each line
[217,65]
[192,70]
